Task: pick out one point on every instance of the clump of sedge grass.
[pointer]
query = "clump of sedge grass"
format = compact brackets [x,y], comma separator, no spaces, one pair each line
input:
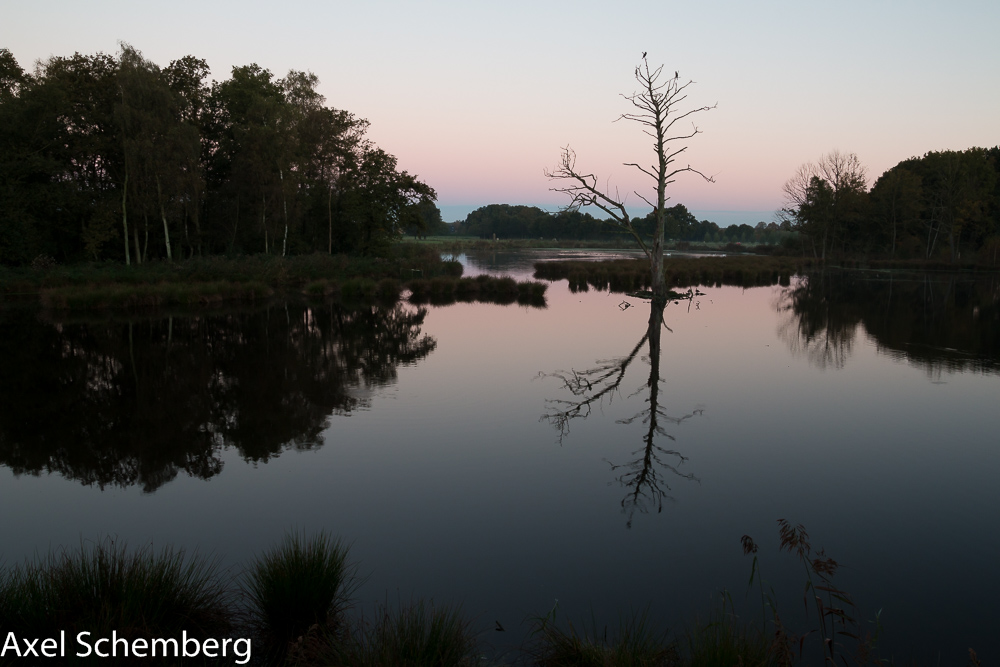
[724,641]
[634,644]
[105,587]
[296,585]
[415,635]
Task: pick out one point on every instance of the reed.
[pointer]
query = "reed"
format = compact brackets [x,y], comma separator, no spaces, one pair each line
[839,635]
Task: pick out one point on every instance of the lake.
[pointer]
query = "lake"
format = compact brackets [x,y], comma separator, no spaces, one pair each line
[462,452]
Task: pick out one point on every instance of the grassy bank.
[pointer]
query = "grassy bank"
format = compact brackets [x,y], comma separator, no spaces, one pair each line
[294,605]
[213,280]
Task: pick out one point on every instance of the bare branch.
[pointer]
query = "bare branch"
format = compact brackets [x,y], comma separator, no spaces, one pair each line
[656,105]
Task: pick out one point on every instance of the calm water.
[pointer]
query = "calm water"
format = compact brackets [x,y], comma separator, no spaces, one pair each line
[447,444]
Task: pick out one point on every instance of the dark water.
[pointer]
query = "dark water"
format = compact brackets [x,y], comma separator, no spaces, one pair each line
[467,452]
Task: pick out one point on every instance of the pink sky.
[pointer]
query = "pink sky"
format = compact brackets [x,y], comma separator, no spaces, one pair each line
[478,98]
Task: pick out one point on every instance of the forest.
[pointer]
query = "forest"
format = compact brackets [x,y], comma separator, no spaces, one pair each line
[112,157]
[942,206]
[506,221]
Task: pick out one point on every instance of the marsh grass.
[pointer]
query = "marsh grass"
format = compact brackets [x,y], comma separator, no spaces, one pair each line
[627,275]
[358,290]
[419,634]
[725,640]
[213,279]
[633,644]
[131,296]
[487,289]
[294,600]
[104,587]
[300,583]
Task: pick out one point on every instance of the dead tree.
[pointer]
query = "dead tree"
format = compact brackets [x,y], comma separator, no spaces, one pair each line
[657,109]
[645,486]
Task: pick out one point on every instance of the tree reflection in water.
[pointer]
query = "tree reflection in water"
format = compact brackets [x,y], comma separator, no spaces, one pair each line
[123,403]
[937,322]
[642,477]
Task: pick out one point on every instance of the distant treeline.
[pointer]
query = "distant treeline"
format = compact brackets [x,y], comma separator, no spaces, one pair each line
[944,205]
[114,157]
[506,221]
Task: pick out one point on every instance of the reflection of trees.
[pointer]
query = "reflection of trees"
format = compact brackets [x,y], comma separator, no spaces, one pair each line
[822,329]
[643,476]
[124,403]
[937,322]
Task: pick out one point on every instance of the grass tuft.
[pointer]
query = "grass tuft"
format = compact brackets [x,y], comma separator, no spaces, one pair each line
[634,644]
[724,641]
[296,585]
[105,587]
[417,635]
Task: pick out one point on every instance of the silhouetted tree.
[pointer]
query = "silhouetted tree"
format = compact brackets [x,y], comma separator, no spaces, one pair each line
[642,477]
[657,110]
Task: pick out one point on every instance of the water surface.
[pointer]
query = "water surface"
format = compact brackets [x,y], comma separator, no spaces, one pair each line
[861,405]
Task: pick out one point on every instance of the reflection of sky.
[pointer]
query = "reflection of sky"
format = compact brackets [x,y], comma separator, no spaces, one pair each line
[450,487]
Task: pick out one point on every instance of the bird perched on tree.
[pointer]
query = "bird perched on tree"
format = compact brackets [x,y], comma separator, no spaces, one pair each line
[643,55]
[677,74]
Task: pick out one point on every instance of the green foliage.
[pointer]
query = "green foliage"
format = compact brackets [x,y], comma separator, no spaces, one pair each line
[423,219]
[943,203]
[113,157]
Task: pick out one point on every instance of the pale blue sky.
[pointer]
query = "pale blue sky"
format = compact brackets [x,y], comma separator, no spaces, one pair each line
[478,98]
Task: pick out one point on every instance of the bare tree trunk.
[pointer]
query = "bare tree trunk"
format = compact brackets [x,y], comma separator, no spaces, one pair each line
[263,220]
[196,216]
[145,238]
[187,237]
[128,260]
[163,216]
[236,227]
[135,238]
[655,109]
[284,206]
[329,213]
